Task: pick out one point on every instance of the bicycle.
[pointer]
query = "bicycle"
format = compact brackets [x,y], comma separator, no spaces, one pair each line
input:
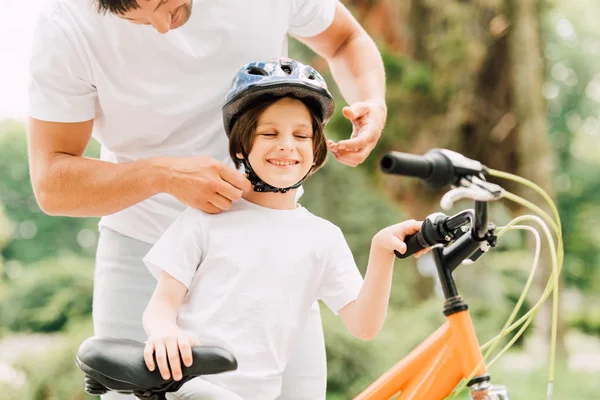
[443,364]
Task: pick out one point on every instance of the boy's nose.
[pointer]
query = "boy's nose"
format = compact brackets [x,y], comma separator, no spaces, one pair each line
[285,144]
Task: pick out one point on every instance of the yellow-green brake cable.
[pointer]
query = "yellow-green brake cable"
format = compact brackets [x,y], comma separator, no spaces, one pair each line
[557,260]
[552,285]
[528,317]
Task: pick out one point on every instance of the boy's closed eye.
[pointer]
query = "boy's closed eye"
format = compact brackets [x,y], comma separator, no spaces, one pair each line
[303,136]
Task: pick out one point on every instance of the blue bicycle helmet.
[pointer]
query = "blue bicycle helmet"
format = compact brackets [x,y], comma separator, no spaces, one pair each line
[280,77]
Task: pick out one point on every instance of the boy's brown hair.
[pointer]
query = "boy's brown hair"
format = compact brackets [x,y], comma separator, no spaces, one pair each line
[242,133]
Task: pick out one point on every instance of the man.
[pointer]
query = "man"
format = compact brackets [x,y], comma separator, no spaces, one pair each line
[147,79]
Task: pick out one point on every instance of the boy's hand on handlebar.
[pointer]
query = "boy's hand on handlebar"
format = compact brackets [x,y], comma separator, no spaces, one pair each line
[202,182]
[392,237]
[167,348]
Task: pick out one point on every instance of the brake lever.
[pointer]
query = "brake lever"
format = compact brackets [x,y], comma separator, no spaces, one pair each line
[474,188]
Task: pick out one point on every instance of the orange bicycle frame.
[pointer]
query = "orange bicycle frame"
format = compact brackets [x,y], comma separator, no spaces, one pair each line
[433,369]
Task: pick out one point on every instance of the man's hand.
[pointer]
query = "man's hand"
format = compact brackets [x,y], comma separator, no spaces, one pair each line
[368,120]
[167,346]
[203,183]
[392,238]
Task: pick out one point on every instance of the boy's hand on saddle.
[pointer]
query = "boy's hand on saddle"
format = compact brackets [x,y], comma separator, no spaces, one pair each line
[368,119]
[392,237]
[169,347]
[203,183]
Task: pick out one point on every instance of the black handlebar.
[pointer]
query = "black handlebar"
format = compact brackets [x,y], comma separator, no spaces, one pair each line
[414,244]
[436,229]
[438,168]
[406,164]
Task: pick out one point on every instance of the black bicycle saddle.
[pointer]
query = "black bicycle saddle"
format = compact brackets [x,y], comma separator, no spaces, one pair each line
[118,365]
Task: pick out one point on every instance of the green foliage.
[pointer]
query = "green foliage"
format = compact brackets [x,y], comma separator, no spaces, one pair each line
[573,96]
[48,295]
[410,75]
[54,375]
[349,360]
[587,321]
[526,384]
[35,234]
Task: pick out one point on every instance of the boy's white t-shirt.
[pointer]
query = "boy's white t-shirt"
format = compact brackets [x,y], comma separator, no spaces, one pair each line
[151,94]
[253,274]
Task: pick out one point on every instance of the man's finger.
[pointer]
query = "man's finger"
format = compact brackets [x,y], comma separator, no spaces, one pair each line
[236,178]
[227,191]
[209,208]
[349,113]
[352,158]
[360,141]
[356,110]
[222,203]
[331,145]
[344,160]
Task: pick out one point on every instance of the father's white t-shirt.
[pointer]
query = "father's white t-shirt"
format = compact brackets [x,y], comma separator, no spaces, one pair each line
[156,95]
[253,274]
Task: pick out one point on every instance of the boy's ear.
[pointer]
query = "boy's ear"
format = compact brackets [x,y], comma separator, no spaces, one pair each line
[240,156]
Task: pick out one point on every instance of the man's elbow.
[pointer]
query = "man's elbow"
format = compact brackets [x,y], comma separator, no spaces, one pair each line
[46,205]
[47,200]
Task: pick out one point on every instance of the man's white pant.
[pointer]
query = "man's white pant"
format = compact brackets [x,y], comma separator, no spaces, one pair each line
[200,389]
[123,287]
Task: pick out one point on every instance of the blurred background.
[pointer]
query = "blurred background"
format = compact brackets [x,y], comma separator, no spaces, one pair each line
[512,83]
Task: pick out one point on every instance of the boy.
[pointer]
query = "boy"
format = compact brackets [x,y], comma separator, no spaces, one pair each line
[246,279]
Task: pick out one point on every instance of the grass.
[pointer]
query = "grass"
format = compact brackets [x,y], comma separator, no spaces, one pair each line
[568,385]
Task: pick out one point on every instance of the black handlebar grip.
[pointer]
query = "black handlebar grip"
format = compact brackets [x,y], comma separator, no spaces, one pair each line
[414,244]
[395,162]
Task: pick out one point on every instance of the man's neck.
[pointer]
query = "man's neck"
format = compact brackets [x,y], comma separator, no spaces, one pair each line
[276,201]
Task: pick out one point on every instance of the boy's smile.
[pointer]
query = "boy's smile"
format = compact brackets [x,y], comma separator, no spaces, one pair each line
[282,151]
[283,162]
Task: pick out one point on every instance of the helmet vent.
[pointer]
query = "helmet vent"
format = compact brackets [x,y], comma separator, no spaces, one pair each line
[287,69]
[312,77]
[256,71]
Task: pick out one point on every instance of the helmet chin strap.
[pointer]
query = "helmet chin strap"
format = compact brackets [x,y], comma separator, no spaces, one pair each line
[261,186]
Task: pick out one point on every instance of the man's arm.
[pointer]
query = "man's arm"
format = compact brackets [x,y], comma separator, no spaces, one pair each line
[66,183]
[357,67]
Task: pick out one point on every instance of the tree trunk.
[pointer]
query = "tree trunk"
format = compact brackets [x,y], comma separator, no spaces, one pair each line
[533,148]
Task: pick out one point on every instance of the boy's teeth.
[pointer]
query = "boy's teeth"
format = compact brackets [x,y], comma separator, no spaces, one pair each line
[276,162]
